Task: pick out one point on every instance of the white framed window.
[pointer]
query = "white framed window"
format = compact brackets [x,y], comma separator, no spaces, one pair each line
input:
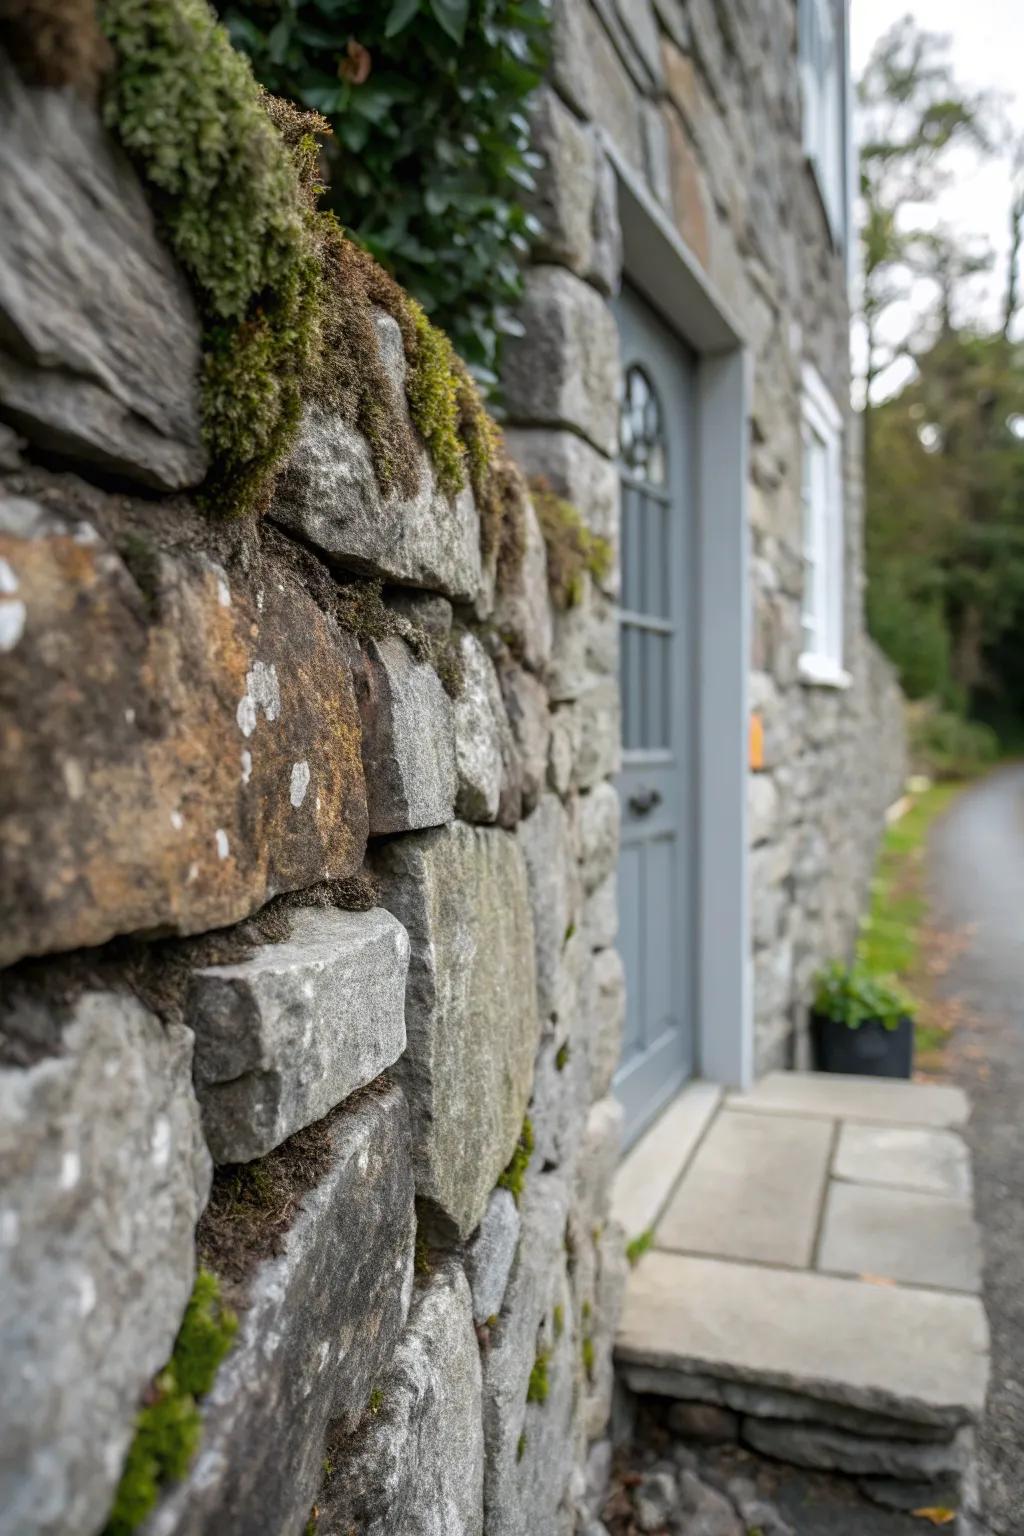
[821,657]
[823,78]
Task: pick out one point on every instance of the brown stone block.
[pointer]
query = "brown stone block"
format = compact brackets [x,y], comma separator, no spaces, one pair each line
[689,193]
[173,753]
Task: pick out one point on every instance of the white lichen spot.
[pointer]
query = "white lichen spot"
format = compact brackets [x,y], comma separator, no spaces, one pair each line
[70,1170]
[323,1354]
[160,1142]
[129,715]
[85,533]
[13,614]
[259,601]
[8,580]
[299,784]
[9,1226]
[223,592]
[177,820]
[246,765]
[318,805]
[74,778]
[363,1160]
[193,872]
[261,692]
[86,1294]
[220,837]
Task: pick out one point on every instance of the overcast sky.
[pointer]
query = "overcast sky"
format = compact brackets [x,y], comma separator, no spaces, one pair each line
[987,53]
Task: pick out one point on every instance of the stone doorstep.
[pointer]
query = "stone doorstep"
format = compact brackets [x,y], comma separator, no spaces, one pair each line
[833,1096]
[908,1236]
[649,1172]
[910,1354]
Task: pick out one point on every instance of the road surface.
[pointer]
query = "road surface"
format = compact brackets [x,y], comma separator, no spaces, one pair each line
[976,883]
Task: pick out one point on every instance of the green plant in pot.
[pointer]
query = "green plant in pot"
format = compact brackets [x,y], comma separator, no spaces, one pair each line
[861,1023]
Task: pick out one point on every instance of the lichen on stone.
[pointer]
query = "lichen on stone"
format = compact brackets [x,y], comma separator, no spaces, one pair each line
[573,552]
[514,1175]
[168,1425]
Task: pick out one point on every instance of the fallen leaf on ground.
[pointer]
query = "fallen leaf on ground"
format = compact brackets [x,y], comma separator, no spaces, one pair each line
[936,1513]
[876,1279]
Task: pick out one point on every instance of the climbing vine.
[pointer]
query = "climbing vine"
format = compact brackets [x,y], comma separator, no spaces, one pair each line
[431,149]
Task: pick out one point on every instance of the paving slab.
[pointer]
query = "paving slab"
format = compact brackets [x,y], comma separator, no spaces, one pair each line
[647,1174]
[909,1157]
[753,1191]
[839,1097]
[916,1354]
[900,1234]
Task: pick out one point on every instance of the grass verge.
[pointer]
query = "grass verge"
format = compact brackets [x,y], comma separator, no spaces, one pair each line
[895,940]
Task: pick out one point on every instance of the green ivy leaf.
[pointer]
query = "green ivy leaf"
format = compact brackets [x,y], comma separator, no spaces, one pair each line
[402,12]
[452,15]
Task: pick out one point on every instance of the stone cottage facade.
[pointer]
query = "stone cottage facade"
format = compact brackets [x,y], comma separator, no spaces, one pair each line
[313,1081]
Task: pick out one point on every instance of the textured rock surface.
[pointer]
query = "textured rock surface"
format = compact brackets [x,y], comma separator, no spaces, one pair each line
[408,740]
[822,1446]
[331,496]
[485,753]
[321,1322]
[170,772]
[489,1256]
[417,1466]
[520,1486]
[471,1012]
[526,703]
[565,374]
[284,1036]
[545,838]
[100,352]
[103,1172]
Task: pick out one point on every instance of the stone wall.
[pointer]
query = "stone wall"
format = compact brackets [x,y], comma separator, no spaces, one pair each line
[308,855]
[702,101]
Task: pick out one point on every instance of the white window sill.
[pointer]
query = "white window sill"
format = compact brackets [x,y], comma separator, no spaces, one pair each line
[820,672]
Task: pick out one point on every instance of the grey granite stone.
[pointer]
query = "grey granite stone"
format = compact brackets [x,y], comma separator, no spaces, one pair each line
[565,374]
[490,1254]
[104,1173]
[101,354]
[416,1468]
[526,703]
[604,1005]
[408,740]
[330,494]
[838,1450]
[522,612]
[485,753]
[471,1011]
[599,835]
[320,1323]
[545,839]
[285,1035]
[597,737]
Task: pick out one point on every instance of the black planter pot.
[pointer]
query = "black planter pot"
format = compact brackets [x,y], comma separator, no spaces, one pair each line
[870,1051]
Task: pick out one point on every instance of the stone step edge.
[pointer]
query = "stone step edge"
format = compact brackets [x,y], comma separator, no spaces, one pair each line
[712,1382]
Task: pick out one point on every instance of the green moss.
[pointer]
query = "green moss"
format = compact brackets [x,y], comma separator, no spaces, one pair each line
[570,932]
[142,558]
[168,1426]
[235,203]
[421,1257]
[562,1057]
[587,1356]
[376,1402]
[585,1311]
[521,1446]
[558,1321]
[514,1175]
[573,551]
[433,391]
[540,1383]
[638,1246]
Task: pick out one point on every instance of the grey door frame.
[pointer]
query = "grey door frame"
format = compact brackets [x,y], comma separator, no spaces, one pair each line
[658,263]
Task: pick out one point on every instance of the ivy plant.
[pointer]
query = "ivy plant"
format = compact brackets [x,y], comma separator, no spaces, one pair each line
[430,154]
[851,995]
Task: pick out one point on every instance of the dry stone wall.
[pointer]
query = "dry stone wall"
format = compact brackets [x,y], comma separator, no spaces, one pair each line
[308,852]
[701,100]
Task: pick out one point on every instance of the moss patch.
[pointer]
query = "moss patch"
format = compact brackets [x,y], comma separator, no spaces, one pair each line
[514,1175]
[234,200]
[638,1246]
[587,1356]
[558,1321]
[252,1205]
[168,1425]
[562,1057]
[573,551]
[540,1381]
[521,1446]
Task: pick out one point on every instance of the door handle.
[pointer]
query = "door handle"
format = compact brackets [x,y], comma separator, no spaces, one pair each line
[644,801]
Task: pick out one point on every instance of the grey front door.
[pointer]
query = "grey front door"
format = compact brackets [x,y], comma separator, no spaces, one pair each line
[656,668]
